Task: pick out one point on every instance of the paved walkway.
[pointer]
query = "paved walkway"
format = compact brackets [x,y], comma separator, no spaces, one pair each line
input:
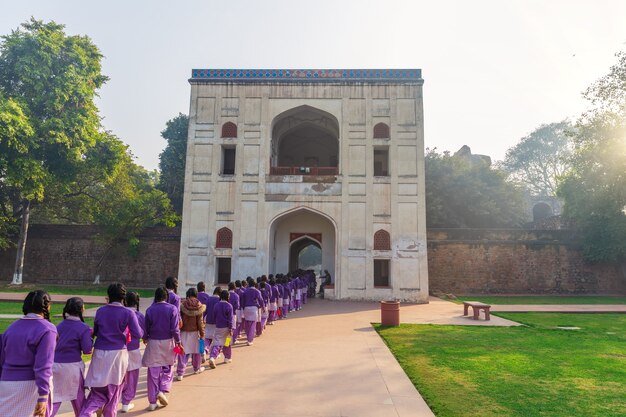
[323,361]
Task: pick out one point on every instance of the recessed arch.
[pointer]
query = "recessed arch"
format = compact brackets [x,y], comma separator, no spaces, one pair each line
[224,238]
[229,130]
[381,131]
[541,211]
[305,137]
[382,240]
[298,246]
[307,223]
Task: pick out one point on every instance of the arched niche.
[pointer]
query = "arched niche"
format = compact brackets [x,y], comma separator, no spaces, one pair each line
[305,137]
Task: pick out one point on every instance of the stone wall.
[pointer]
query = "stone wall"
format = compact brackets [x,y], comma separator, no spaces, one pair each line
[478,261]
[460,261]
[70,255]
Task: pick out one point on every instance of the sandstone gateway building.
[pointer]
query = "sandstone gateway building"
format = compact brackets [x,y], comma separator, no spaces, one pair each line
[278,160]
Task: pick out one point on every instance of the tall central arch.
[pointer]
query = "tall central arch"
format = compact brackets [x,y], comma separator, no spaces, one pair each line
[311,227]
[305,137]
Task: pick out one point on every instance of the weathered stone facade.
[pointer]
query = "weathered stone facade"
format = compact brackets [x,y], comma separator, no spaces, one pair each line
[275,156]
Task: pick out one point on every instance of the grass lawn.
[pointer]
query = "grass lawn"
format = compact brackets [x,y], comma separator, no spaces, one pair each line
[536,370]
[73,290]
[544,299]
[15,307]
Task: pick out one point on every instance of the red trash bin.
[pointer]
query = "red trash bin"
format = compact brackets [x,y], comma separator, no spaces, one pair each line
[390,313]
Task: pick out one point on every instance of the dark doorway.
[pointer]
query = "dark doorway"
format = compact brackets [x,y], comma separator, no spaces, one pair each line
[223,270]
[306,254]
[541,211]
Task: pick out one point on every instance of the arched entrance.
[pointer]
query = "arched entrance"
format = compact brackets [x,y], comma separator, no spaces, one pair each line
[297,232]
[541,211]
[305,253]
[305,141]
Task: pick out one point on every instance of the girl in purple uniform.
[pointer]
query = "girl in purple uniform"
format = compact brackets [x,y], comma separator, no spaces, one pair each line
[134,356]
[171,283]
[113,325]
[162,335]
[26,360]
[209,318]
[223,313]
[252,302]
[273,307]
[68,369]
[233,299]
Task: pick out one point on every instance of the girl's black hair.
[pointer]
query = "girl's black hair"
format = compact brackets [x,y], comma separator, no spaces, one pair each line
[192,292]
[117,293]
[171,283]
[231,286]
[37,302]
[244,284]
[224,295]
[238,284]
[217,290]
[201,287]
[262,285]
[74,307]
[160,294]
[132,299]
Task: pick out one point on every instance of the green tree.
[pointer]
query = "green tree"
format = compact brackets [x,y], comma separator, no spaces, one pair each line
[53,78]
[465,193]
[540,159]
[594,189]
[110,191]
[172,160]
[16,168]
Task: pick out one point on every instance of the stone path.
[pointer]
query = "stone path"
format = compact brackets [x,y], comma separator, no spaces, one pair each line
[324,361]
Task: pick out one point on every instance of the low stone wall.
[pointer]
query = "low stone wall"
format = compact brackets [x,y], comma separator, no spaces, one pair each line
[460,261]
[68,254]
[485,261]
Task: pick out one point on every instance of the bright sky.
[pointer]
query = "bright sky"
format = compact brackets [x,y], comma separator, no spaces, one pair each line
[493,70]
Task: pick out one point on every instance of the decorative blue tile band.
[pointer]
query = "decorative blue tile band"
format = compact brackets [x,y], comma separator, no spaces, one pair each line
[307,75]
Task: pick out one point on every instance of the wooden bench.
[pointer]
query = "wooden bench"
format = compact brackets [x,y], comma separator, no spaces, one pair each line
[476,307]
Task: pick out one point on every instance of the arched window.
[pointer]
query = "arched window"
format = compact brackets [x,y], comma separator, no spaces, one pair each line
[229,130]
[381,131]
[382,240]
[224,238]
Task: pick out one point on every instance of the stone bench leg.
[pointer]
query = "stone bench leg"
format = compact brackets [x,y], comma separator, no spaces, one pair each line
[476,312]
[465,308]
[487,316]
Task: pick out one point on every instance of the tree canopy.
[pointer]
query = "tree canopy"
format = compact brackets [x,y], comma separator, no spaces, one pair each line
[594,189]
[462,192]
[172,160]
[54,154]
[540,159]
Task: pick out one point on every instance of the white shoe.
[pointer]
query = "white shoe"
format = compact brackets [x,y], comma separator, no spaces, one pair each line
[127,407]
[152,407]
[250,343]
[162,399]
[226,360]
[212,363]
[200,370]
[179,377]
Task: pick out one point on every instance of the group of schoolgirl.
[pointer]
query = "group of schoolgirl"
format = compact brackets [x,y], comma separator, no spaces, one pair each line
[41,365]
